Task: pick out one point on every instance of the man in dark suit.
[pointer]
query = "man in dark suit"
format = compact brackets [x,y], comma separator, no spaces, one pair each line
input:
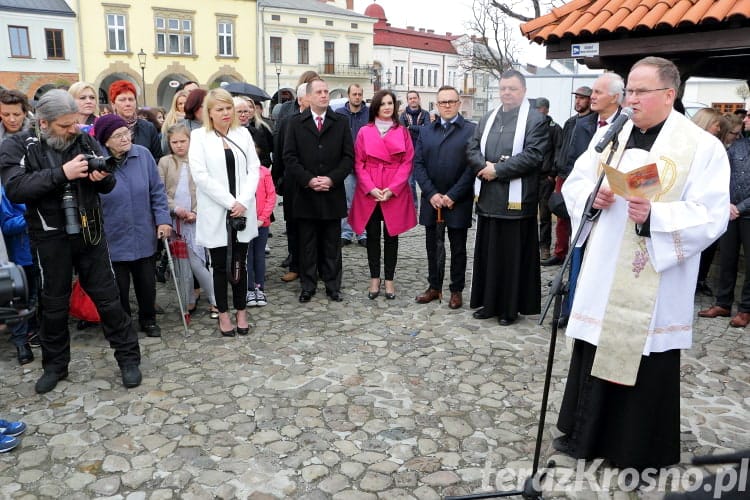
[606,97]
[319,154]
[441,168]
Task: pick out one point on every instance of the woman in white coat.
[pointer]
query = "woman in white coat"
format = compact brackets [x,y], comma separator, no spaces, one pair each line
[224,166]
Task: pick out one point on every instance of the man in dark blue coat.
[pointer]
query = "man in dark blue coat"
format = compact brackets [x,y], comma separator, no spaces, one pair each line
[441,168]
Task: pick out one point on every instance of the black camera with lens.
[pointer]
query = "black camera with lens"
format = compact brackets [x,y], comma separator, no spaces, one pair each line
[97,163]
[236,223]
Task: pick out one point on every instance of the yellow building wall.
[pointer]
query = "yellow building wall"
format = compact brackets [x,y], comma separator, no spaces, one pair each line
[101,67]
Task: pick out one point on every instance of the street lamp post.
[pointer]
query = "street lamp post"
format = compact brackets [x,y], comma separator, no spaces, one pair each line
[278,84]
[142,62]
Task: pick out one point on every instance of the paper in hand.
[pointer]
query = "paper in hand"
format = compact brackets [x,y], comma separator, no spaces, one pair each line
[643,181]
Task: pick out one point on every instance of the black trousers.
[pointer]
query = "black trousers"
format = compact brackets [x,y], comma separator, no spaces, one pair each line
[144,284]
[320,253]
[56,258]
[738,233]
[390,246]
[546,188]
[457,238]
[292,243]
[239,289]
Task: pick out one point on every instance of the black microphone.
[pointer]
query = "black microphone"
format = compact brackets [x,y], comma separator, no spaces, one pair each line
[614,129]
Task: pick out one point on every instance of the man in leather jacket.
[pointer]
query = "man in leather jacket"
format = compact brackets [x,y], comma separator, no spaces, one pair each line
[41,168]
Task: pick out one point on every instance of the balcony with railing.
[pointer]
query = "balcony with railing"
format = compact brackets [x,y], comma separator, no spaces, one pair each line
[345,70]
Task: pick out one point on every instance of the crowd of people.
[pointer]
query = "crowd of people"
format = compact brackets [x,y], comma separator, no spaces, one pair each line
[96,193]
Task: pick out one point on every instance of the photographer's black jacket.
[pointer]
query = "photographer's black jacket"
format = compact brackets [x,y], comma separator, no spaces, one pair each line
[30,177]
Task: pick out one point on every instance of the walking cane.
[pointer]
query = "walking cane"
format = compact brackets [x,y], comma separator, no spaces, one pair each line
[183,313]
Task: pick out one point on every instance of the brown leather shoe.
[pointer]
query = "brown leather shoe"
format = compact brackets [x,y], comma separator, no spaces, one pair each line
[740,320]
[456,300]
[290,276]
[428,296]
[714,311]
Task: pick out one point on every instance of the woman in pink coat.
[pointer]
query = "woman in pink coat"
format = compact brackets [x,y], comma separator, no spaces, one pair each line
[383,155]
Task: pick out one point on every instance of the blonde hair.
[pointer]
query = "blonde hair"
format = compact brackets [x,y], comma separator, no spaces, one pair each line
[171,117]
[78,87]
[706,117]
[214,97]
[178,128]
[257,120]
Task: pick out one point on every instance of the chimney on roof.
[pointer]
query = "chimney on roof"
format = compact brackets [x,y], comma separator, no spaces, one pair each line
[448,33]
[421,30]
[410,28]
[430,31]
[350,4]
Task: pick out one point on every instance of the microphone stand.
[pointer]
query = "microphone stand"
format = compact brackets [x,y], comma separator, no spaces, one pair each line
[532,486]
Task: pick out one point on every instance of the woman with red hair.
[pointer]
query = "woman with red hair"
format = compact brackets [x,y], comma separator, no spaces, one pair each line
[122,96]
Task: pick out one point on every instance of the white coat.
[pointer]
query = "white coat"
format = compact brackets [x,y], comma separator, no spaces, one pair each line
[214,200]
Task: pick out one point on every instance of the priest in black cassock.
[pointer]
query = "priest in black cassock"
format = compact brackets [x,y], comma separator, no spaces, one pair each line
[506,154]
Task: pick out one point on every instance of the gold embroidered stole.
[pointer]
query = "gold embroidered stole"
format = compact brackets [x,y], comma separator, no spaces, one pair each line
[635,287]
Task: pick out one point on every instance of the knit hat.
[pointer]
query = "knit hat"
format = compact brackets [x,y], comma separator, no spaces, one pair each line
[105,126]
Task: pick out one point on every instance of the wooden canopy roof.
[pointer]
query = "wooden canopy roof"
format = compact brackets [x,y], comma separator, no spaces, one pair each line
[703,37]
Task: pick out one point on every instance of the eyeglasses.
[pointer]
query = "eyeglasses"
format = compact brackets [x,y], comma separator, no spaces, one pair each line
[122,135]
[734,133]
[640,92]
[447,103]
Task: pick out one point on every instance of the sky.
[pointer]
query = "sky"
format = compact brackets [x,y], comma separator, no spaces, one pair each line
[442,16]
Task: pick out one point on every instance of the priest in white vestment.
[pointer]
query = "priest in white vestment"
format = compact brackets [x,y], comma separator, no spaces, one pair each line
[633,308]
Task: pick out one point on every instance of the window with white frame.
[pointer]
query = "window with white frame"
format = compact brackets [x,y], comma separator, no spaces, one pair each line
[19,41]
[116,33]
[174,34]
[226,38]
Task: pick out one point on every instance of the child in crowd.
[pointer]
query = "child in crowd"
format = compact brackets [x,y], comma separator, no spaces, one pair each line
[175,173]
[265,200]
[19,252]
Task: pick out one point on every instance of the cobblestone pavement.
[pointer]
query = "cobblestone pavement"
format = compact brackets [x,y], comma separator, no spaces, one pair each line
[362,399]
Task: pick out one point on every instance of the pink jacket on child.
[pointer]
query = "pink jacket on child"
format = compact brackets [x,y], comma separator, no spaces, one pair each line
[265,196]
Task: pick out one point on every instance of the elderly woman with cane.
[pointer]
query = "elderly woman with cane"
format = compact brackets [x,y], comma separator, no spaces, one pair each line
[135,214]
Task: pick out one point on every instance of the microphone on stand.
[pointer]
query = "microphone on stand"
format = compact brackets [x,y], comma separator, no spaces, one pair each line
[614,129]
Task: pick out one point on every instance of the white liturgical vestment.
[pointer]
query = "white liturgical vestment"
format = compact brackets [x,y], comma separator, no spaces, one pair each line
[680,229]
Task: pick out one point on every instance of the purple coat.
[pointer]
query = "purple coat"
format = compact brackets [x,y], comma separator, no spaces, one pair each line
[383,162]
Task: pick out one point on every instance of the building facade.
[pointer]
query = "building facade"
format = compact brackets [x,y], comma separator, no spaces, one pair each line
[158,45]
[329,38]
[38,45]
[416,59]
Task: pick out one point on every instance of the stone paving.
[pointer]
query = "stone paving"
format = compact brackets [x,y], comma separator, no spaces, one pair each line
[363,399]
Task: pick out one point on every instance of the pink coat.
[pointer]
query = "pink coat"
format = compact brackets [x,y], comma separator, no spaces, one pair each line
[383,162]
[265,196]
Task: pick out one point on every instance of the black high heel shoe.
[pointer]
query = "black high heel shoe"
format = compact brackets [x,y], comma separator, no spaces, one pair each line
[227,333]
[390,295]
[373,295]
[242,331]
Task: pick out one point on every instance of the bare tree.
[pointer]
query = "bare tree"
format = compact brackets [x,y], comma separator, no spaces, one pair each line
[491,47]
[519,9]
[743,91]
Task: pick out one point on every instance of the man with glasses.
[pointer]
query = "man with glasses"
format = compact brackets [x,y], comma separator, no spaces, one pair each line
[446,181]
[46,169]
[633,310]
[506,153]
[606,97]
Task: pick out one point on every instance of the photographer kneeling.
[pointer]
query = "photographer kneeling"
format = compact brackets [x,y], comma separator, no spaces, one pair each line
[135,213]
[46,169]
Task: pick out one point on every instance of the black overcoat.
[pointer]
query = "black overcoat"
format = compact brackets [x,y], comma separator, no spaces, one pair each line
[309,153]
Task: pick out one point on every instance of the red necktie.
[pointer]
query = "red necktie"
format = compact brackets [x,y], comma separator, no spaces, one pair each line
[602,123]
[319,119]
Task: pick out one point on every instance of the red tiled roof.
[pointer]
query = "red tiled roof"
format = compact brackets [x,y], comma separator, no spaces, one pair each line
[581,18]
[412,39]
